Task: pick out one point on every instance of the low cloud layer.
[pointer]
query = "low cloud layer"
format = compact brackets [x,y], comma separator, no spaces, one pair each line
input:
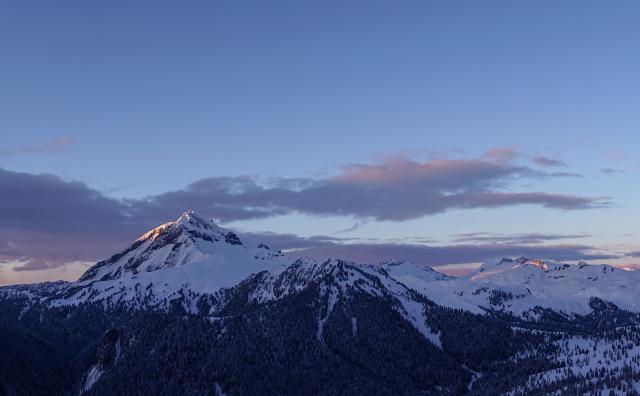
[525,238]
[321,247]
[47,220]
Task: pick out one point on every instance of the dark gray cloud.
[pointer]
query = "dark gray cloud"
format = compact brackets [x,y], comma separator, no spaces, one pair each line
[48,203]
[395,190]
[453,254]
[41,250]
[634,254]
[522,238]
[47,220]
[322,247]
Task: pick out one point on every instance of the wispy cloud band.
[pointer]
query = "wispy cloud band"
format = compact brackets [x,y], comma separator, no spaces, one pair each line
[42,148]
[48,220]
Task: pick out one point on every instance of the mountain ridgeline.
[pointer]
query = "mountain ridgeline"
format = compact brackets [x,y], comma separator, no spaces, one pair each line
[191,308]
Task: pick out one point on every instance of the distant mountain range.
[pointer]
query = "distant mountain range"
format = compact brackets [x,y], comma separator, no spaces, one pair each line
[192,308]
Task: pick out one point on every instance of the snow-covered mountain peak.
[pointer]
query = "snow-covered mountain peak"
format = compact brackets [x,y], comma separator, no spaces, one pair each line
[506,264]
[538,263]
[519,285]
[405,270]
[190,253]
[193,220]
[188,222]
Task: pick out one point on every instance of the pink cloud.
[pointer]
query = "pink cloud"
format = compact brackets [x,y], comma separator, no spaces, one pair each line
[54,145]
[502,154]
[394,190]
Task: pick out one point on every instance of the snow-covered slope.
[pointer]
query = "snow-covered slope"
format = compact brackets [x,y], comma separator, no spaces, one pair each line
[407,271]
[334,282]
[436,286]
[191,255]
[245,302]
[519,285]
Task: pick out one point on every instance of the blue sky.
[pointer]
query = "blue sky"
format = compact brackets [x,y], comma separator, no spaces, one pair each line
[136,100]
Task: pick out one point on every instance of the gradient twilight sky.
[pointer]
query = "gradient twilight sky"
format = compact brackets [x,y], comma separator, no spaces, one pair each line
[367,130]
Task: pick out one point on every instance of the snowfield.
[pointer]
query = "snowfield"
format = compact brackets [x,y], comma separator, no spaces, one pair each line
[570,328]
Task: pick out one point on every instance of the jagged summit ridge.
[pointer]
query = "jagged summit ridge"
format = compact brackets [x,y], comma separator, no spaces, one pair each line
[190,217]
[523,284]
[191,253]
[191,238]
[195,225]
